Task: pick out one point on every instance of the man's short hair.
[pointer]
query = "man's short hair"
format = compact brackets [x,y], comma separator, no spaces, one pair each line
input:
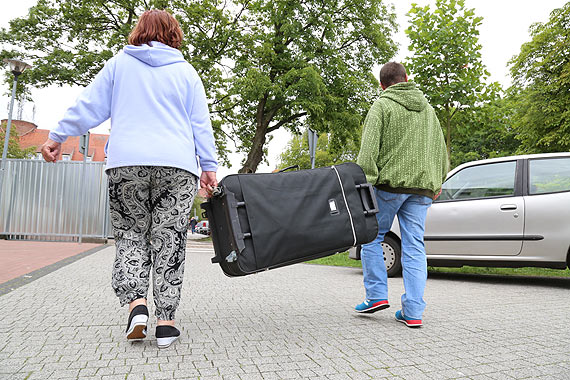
[392,73]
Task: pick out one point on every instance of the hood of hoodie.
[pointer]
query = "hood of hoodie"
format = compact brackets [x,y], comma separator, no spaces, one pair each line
[158,54]
[406,94]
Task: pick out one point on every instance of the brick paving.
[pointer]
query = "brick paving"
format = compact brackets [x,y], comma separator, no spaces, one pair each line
[289,323]
[18,258]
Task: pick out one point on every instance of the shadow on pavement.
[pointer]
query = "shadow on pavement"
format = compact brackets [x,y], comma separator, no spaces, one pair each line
[558,282]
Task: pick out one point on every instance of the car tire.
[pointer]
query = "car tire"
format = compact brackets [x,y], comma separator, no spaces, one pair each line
[392,255]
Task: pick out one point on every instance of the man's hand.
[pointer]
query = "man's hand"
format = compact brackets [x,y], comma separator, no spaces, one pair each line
[207,183]
[51,150]
[438,194]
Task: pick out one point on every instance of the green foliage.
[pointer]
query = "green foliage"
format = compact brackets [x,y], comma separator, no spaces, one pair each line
[265,64]
[541,86]
[306,64]
[14,149]
[483,131]
[196,209]
[297,152]
[446,60]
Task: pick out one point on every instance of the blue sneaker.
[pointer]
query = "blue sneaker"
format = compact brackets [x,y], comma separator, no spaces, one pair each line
[372,306]
[408,322]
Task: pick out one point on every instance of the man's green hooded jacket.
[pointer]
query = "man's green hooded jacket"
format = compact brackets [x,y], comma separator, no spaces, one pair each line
[403,149]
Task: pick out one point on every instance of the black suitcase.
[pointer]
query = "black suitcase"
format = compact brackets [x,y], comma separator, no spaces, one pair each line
[268,220]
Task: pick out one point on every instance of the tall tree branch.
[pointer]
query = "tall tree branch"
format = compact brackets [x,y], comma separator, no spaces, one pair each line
[285,121]
[115,20]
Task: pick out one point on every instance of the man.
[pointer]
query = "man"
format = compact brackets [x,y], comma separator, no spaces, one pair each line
[403,154]
[193,223]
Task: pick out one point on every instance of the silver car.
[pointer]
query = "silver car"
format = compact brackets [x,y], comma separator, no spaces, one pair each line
[502,212]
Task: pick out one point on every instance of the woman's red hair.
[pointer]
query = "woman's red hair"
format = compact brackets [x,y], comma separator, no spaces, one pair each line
[157,25]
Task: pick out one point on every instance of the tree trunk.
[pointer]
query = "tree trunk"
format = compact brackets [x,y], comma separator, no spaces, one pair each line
[255,154]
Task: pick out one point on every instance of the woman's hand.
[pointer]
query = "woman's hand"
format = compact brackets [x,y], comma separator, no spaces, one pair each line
[208,182]
[51,150]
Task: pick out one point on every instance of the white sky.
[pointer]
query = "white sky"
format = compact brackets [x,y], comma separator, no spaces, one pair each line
[504,29]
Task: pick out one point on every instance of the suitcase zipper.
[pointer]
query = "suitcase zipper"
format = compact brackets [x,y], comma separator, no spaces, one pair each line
[346,204]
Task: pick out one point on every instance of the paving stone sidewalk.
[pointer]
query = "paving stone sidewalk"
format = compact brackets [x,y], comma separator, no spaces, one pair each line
[290,323]
[19,257]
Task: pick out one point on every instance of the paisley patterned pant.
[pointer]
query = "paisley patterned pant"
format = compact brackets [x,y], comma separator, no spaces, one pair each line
[150,207]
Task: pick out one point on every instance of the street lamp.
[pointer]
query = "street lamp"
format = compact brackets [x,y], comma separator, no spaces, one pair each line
[16,67]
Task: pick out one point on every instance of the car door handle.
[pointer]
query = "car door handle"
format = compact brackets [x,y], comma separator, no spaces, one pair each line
[508,207]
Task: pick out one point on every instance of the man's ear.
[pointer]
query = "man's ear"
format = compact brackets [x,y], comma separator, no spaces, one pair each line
[406,78]
[383,87]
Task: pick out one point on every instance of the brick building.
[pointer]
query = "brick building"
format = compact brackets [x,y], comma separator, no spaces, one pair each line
[29,135]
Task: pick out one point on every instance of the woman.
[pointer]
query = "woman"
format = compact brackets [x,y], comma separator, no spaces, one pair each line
[159,125]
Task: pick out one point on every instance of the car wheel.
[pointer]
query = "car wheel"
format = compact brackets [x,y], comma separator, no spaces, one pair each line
[392,256]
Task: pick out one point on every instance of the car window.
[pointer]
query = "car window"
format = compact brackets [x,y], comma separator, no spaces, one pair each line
[549,175]
[481,181]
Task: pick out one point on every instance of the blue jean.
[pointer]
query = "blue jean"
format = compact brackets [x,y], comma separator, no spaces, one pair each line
[411,210]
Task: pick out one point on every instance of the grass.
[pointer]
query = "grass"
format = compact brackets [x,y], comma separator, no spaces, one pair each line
[341,259]
[338,260]
[526,271]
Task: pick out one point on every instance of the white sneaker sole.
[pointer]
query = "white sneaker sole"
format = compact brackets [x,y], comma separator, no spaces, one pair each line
[165,342]
[137,329]
[409,324]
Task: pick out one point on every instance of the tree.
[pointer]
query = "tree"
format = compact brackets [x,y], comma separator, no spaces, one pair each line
[14,149]
[265,64]
[446,61]
[306,63]
[484,131]
[541,86]
[297,152]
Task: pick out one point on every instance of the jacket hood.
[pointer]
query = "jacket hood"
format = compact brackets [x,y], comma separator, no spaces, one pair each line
[406,94]
[158,54]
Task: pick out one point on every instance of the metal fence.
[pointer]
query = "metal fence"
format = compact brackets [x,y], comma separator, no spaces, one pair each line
[54,202]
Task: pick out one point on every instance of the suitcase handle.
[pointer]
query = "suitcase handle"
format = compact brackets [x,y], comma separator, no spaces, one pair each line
[232,219]
[366,192]
[230,205]
[217,191]
[289,168]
